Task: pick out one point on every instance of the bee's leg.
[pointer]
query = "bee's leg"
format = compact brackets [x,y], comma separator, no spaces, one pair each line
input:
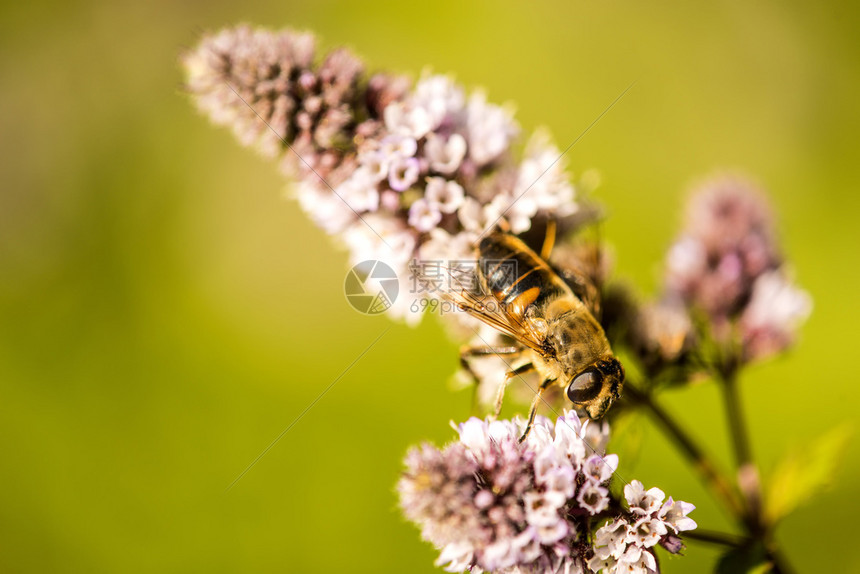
[468,352]
[527,368]
[533,410]
[548,240]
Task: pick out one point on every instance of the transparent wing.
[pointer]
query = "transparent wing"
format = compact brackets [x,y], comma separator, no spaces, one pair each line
[472,298]
[582,268]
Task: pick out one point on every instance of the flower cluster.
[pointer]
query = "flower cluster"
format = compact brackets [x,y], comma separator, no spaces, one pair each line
[396,172]
[727,265]
[727,243]
[622,545]
[265,87]
[492,503]
[437,175]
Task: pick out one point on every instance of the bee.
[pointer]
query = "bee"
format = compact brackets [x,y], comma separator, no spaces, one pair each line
[519,294]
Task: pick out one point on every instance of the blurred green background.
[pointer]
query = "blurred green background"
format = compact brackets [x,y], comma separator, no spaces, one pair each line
[165,314]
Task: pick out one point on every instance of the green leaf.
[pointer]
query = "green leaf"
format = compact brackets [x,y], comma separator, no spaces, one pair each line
[803,471]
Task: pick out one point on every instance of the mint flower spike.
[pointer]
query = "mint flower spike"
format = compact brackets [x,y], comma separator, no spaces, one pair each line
[727,242]
[491,503]
[394,171]
[727,265]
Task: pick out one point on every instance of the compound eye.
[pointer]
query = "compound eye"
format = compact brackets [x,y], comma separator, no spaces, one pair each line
[585,387]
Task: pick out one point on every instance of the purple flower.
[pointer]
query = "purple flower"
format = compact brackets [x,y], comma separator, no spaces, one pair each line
[641,501]
[726,264]
[489,129]
[424,215]
[593,497]
[372,140]
[445,156]
[727,243]
[446,195]
[488,501]
[403,173]
[775,310]
[674,514]
[626,544]
[242,65]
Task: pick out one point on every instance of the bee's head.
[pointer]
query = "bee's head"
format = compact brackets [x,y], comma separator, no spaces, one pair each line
[594,389]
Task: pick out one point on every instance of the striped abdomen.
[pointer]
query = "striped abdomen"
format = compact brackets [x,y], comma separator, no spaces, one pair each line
[516,276]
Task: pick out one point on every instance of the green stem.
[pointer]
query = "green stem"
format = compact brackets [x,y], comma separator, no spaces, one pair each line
[737,423]
[703,464]
[747,474]
[714,537]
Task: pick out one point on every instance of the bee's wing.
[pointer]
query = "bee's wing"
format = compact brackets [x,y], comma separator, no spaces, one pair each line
[483,306]
[581,271]
[584,288]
